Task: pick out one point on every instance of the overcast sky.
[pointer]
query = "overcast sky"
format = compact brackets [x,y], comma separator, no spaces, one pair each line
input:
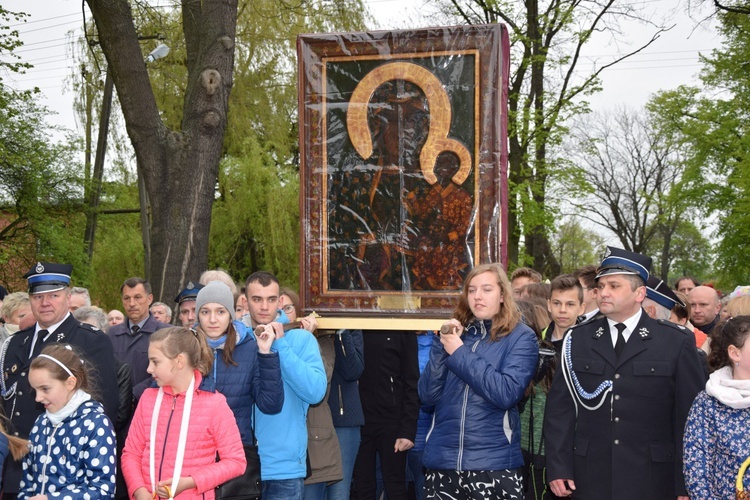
[670,61]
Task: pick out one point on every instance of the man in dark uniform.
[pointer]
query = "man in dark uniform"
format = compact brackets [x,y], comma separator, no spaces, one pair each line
[49,293]
[186,304]
[616,411]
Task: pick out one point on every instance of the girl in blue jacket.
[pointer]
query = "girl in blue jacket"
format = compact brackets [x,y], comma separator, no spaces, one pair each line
[72,450]
[477,373]
[244,370]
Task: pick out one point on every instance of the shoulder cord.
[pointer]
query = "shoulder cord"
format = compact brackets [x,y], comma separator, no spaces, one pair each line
[180,444]
[4,391]
[574,386]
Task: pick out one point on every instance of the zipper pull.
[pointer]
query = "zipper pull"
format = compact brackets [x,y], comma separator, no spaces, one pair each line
[343,349]
[341,402]
[174,402]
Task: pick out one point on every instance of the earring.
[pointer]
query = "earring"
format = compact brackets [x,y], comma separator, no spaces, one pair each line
[737,363]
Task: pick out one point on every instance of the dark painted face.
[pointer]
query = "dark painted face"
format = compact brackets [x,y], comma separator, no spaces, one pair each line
[399,121]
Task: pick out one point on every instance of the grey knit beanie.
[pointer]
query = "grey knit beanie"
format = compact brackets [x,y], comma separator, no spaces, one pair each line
[217,292]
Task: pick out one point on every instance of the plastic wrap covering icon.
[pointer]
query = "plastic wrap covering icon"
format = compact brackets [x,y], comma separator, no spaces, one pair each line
[403,162]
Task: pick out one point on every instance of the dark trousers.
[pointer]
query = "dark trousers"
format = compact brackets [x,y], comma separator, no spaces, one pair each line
[379,440]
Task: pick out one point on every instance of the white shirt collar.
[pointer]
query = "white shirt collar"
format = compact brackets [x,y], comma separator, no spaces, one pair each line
[52,328]
[629,323]
[591,314]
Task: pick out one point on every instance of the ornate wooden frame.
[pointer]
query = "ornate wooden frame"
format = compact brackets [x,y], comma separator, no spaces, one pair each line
[427,58]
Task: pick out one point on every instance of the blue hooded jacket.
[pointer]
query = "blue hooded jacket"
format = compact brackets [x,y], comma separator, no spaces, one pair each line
[254,379]
[282,438]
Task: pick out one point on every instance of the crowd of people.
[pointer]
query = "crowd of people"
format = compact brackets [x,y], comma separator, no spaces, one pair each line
[601,384]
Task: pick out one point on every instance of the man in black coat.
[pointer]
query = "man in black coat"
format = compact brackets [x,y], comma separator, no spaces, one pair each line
[615,414]
[49,293]
[390,403]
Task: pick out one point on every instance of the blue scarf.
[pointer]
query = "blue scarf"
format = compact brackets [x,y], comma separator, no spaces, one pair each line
[216,343]
[240,329]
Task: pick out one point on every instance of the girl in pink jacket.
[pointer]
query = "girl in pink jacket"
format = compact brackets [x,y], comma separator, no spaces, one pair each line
[178,429]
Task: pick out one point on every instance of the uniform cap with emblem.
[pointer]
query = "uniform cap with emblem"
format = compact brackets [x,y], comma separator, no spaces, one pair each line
[659,292]
[44,277]
[619,261]
[189,293]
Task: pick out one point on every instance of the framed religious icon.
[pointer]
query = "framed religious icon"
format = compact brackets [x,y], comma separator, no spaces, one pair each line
[403,167]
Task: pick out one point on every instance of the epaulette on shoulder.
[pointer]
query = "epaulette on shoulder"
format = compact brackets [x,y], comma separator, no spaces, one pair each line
[588,321]
[91,328]
[674,326]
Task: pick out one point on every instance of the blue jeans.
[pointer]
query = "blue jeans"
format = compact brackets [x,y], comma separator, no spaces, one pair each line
[284,489]
[349,442]
[315,491]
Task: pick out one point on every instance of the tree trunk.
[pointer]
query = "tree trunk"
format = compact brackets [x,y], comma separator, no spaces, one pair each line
[179,168]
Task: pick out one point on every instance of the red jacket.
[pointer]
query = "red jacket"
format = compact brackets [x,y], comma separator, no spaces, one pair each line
[212,429]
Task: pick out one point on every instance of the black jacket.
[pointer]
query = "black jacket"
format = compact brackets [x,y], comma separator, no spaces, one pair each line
[631,446]
[20,406]
[388,385]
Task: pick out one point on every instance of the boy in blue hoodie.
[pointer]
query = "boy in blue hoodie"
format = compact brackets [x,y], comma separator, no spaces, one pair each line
[282,438]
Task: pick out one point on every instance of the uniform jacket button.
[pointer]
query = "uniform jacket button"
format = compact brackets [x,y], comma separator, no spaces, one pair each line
[617,397]
[617,376]
[617,442]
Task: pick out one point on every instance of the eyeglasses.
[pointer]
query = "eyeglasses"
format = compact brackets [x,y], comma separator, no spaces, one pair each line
[289,308]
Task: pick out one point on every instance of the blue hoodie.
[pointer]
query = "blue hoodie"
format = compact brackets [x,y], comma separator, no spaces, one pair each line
[282,438]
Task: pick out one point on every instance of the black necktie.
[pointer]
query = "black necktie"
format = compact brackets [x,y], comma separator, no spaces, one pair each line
[39,343]
[620,344]
[134,330]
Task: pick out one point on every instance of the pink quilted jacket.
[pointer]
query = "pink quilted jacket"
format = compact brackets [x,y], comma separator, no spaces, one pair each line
[212,428]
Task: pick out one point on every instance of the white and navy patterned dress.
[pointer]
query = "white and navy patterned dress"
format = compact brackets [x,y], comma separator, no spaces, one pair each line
[74,460]
[717,441]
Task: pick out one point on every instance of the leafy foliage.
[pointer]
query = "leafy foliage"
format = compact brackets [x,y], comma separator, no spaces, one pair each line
[575,246]
[40,190]
[546,89]
[256,218]
[713,125]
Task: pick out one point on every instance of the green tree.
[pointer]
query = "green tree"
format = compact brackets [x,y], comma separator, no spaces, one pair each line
[40,190]
[690,253]
[40,186]
[713,124]
[179,165]
[628,176]
[179,122]
[575,246]
[254,196]
[547,39]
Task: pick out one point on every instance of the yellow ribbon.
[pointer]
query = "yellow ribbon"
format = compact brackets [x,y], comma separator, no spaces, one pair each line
[741,474]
